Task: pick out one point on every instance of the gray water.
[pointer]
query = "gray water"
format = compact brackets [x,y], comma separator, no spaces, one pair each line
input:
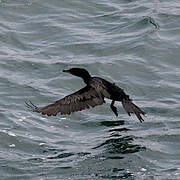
[135,44]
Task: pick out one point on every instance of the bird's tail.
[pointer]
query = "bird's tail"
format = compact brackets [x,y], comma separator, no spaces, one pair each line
[130,107]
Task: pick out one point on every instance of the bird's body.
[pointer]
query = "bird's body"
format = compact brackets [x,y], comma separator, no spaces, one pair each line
[113,92]
[91,95]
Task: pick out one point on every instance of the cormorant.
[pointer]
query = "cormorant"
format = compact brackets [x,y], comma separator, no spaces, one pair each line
[91,95]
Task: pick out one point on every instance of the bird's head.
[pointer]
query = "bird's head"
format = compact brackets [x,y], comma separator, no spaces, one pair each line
[80,72]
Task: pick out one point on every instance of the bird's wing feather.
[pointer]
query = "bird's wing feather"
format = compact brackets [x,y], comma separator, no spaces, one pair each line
[83,99]
[99,85]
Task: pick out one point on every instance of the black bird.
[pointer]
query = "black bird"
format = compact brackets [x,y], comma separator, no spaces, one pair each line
[91,95]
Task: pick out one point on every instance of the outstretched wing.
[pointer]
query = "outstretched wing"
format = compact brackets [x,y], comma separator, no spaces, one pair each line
[83,99]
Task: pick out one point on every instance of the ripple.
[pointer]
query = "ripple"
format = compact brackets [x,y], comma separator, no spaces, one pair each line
[63,155]
[120,144]
[112,123]
[36,160]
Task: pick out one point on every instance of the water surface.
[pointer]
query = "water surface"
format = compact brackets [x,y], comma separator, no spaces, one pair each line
[132,43]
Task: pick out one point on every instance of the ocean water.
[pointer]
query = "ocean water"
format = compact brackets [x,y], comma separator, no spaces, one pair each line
[135,44]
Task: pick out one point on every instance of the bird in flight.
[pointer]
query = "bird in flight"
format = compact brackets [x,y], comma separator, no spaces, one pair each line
[91,95]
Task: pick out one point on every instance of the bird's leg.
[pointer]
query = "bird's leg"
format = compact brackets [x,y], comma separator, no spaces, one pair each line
[114,109]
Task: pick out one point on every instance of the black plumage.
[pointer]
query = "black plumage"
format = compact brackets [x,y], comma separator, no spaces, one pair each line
[91,95]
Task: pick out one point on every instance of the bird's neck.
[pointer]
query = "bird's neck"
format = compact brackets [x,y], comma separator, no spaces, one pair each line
[86,78]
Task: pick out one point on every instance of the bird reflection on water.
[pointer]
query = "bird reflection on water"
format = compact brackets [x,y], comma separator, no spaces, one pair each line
[115,148]
[116,142]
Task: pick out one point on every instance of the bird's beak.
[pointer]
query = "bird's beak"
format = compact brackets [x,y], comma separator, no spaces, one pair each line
[67,71]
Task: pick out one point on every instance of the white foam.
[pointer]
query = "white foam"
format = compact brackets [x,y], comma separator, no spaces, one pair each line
[12,145]
[143,169]
[11,134]
[41,144]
